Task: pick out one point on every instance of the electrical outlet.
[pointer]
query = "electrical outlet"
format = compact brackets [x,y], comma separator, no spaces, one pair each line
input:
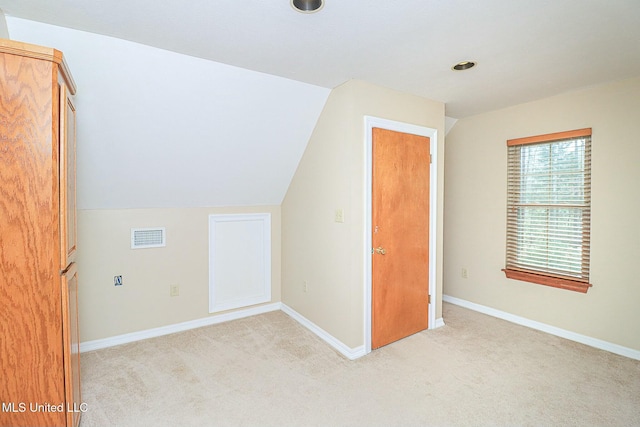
[464,273]
[305,286]
[339,217]
[174,290]
[117,280]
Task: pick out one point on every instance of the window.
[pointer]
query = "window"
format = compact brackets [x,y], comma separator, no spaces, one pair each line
[548,209]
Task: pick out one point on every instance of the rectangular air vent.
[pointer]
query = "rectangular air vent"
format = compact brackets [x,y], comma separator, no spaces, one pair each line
[148,238]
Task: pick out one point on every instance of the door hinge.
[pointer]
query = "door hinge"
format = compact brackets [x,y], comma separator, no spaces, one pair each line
[430,158]
[428,299]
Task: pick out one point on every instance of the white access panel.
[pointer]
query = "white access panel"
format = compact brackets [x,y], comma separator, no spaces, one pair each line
[239,260]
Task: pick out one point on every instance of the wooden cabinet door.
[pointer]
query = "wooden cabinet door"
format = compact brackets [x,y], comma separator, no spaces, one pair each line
[71,339]
[68,227]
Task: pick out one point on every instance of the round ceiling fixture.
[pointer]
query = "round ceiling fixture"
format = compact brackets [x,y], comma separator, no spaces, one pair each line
[464,65]
[307,6]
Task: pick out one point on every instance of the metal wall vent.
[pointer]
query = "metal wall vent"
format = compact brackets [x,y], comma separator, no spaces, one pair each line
[148,238]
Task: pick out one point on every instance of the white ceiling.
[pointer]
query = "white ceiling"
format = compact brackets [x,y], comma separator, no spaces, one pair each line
[526,49]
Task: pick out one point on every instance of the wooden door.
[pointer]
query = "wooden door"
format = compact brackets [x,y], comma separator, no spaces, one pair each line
[400,235]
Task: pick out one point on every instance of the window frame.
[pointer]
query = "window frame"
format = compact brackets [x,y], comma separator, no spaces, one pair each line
[541,277]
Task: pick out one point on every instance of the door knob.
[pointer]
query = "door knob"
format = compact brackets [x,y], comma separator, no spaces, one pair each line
[380,250]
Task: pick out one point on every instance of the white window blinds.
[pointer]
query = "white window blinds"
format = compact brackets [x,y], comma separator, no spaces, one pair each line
[548,205]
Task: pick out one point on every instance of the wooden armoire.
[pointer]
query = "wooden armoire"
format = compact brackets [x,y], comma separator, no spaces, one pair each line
[39,339]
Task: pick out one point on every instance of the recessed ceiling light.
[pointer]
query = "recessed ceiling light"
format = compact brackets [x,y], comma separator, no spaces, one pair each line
[307,6]
[463,65]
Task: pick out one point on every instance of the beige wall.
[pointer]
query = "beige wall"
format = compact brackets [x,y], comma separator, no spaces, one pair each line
[475,214]
[143,302]
[316,249]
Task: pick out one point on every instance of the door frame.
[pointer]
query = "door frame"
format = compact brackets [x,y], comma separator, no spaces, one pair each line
[371,122]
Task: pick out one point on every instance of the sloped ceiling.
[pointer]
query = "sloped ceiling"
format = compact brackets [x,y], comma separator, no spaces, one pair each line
[158,129]
[525,49]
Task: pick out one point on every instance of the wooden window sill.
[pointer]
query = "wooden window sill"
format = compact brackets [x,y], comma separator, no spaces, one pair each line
[541,279]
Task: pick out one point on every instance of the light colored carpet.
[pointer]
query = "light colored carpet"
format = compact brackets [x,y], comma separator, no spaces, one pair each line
[268,370]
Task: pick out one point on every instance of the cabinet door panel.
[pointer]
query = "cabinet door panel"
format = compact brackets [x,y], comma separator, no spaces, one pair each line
[71,336]
[67,177]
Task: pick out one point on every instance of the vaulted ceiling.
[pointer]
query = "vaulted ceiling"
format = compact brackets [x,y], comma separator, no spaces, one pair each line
[525,49]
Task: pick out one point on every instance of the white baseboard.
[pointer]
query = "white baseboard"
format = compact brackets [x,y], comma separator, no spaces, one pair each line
[563,333]
[349,353]
[178,327]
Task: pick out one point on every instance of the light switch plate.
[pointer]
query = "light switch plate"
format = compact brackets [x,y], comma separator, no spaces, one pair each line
[174,290]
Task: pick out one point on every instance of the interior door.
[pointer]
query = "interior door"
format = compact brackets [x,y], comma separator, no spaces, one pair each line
[400,235]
